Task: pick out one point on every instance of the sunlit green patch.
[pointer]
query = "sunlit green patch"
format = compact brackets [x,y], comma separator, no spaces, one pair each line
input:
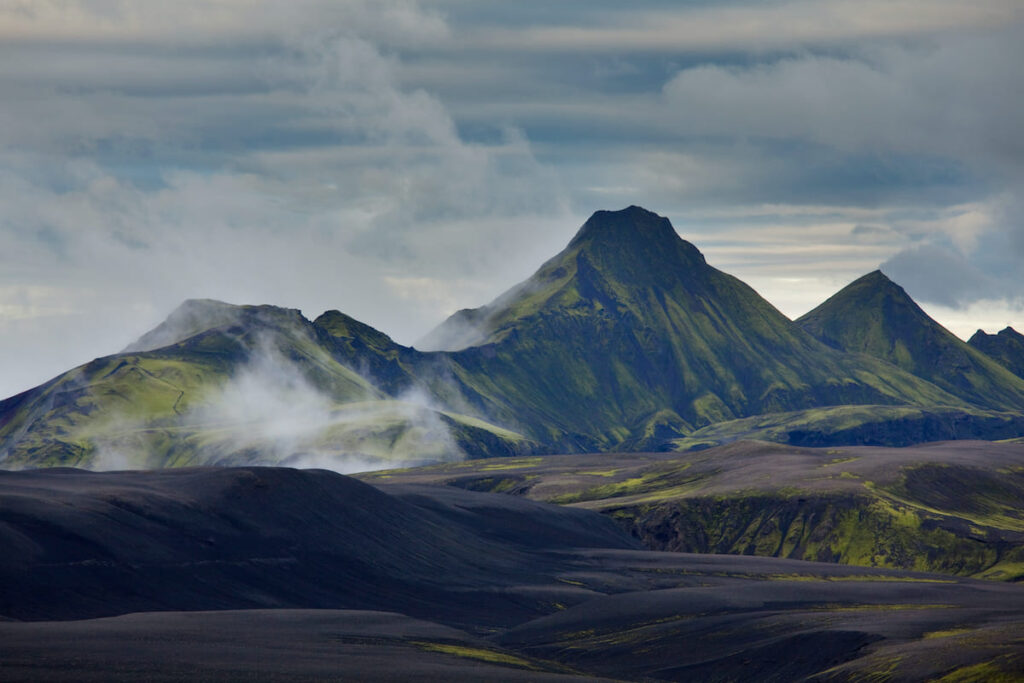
[891,607]
[947,633]
[1003,571]
[1003,669]
[480,654]
[856,577]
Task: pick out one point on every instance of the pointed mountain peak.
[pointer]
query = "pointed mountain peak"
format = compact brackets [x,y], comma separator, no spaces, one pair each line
[633,230]
[874,315]
[631,223]
[878,281]
[873,295]
[634,246]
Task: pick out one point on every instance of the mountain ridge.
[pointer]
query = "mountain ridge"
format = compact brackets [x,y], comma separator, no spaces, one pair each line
[626,339]
[1006,347]
[874,315]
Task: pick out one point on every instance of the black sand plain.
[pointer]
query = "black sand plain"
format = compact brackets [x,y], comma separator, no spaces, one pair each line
[281,574]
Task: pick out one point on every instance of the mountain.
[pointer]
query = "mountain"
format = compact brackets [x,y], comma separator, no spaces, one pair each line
[1007,347]
[628,338]
[625,340]
[875,316]
[223,384]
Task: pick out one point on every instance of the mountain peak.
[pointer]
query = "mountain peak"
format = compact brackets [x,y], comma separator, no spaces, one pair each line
[876,316]
[877,280]
[633,225]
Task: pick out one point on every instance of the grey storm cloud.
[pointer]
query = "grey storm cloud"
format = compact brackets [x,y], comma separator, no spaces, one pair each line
[399,160]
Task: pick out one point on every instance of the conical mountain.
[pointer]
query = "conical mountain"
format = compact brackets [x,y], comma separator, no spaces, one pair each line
[629,337]
[874,315]
[1007,347]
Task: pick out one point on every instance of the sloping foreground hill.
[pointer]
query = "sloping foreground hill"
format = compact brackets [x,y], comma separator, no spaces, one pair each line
[955,507]
[438,583]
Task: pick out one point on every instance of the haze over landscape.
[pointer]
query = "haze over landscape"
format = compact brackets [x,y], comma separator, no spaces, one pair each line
[400,160]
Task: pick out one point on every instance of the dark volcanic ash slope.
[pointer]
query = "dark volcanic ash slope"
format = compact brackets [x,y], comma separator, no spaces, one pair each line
[478,587]
[80,544]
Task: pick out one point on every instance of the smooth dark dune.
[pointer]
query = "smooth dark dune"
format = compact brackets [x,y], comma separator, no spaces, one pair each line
[264,645]
[274,574]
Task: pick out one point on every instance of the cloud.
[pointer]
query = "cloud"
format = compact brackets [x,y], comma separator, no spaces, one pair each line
[943,99]
[270,411]
[220,152]
[746,25]
[397,159]
[940,275]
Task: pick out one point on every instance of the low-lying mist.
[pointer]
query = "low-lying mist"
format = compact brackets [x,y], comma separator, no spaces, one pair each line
[271,410]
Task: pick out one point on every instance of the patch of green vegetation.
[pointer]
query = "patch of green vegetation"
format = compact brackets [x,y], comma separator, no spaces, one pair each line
[1002,669]
[856,530]
[661,482]
[873,425]
[480,654]
[855,577]
[947,633]
[1003,571]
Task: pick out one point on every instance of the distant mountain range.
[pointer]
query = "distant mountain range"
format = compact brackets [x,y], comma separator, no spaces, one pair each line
[626,340]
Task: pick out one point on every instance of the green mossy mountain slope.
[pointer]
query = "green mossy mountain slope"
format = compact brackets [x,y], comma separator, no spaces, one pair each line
[625,340]
[1006,347]
[236,385]
[629,338]
[874,315]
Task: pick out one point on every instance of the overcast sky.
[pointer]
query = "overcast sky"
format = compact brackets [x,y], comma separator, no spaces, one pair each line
[398,160]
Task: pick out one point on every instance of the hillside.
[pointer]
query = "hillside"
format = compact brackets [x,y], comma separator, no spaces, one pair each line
[1006,347]
[951,507]
[278,574]
[875,316]
[626,340]
[236,385]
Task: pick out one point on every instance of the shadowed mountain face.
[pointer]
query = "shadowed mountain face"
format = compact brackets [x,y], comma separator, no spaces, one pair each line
[625,340]
[873,315]
[1007,347]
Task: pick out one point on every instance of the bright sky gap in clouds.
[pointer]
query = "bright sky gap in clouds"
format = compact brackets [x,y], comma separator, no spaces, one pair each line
[398,160]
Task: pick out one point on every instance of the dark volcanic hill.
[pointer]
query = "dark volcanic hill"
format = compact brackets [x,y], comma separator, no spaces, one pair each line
[278,574]
[1007,347]
[874,315]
